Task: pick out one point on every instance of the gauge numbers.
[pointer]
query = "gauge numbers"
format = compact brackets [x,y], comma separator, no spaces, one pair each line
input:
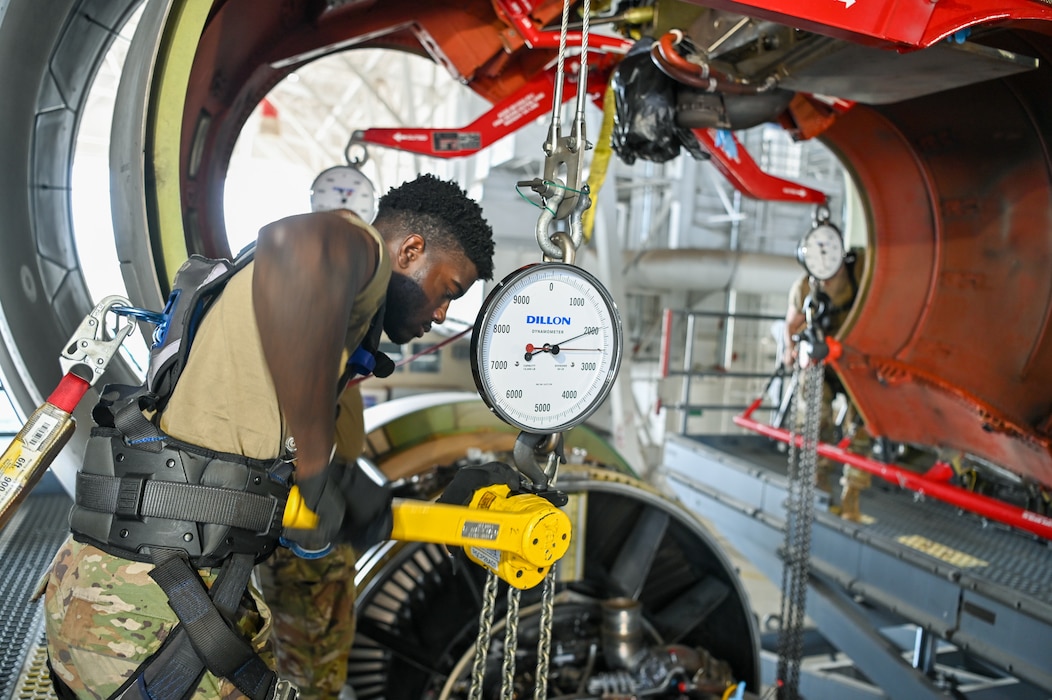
[546,347]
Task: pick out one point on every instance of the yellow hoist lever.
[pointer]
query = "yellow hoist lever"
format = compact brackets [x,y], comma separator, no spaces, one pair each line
[518,537]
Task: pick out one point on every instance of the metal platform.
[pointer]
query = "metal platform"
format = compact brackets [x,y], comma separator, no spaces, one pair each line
[27,545]
[924,600]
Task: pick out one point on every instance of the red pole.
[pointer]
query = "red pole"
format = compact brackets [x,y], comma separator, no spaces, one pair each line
[991,508]
[666,340]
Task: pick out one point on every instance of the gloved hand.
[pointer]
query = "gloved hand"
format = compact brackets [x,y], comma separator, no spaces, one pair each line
[470,479]
[352,505]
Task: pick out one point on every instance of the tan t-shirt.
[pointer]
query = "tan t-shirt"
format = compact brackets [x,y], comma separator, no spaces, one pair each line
[840,290]
[225,398]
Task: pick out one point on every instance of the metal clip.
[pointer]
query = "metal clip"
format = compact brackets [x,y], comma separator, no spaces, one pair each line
[284,690]
[89,351]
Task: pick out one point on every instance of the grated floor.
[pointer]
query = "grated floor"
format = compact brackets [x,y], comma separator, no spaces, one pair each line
[27,544]
[34,683]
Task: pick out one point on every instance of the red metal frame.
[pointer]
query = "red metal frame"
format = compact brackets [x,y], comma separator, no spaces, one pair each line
[517,14]
[743,172]
[534,99]
[531,101]
[931,484]
[889,23]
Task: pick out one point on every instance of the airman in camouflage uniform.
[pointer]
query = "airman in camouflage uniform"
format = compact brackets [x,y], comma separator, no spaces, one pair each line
[275,330]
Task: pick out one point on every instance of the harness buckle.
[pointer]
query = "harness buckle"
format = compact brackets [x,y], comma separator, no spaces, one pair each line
[284,690]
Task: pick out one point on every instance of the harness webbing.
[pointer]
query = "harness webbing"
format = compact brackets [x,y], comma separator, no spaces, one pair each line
[175,670]
[137,498]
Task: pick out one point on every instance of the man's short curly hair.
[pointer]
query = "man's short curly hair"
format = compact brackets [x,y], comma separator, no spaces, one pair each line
[444,215]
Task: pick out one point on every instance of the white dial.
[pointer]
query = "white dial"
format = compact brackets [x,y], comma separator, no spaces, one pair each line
[344,187]
[821,251]
[546,347]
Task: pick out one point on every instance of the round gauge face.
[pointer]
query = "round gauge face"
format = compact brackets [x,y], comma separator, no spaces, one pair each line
[546,347]
[344,187]
[821,251]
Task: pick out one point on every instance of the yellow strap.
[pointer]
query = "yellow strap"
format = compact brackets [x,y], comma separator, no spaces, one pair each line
[600,161]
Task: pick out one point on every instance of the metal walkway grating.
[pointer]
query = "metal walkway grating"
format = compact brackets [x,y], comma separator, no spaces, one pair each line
[27,545]
[984,590]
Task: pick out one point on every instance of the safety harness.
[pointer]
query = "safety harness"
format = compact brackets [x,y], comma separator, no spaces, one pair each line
[144,496]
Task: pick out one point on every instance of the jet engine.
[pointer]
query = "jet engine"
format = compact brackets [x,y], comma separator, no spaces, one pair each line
[646,604]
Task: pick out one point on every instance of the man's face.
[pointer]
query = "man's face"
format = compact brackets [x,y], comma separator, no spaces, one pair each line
[419,292]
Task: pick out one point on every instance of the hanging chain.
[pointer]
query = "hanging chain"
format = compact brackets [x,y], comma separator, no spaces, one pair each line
[544,639]
[482,643]
[511,644]
[478,670]
[800,512]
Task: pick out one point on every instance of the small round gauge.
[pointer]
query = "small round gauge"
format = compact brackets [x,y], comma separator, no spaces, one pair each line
[821,251]
[344,187]
[546,347]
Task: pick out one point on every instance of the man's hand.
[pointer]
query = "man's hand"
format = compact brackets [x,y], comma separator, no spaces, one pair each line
[352,503]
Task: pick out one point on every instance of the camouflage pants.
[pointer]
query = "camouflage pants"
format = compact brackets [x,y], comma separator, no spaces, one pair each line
[312,602]
[827,433]
[104,615]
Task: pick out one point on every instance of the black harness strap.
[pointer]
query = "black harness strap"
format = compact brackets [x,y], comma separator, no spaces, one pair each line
[224,652]
[135,498]
[175,670]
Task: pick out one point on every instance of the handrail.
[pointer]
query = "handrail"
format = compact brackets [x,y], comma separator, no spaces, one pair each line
[932,483]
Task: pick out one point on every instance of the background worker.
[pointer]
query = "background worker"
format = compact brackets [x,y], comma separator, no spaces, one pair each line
[258,392]
[842,290]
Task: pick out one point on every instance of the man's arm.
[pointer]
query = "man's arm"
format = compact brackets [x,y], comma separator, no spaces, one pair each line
[308,269]
[795,320]
[794,323]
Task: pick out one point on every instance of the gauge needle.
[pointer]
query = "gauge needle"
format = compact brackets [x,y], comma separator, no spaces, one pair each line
[570,340]
[532,349]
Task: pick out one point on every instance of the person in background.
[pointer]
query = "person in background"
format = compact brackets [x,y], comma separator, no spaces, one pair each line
[842,290]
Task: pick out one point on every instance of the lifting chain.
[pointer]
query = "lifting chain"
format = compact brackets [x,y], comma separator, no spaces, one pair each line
[529,451]
[800,513]
[511,638]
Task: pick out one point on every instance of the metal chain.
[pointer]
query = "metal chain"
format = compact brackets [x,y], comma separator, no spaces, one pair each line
[800,511]
[790,507]
[478,670]
[544,638]
[511,644]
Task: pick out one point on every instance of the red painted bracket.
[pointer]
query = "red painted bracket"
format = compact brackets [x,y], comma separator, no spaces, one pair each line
[531,101]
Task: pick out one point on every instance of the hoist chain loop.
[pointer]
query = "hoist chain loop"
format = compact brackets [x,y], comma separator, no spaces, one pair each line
[478,669]
[511,644]
[800,511]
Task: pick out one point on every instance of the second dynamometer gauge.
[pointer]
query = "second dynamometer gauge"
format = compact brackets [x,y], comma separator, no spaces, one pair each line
[546,347]
[821,251]
[344,187]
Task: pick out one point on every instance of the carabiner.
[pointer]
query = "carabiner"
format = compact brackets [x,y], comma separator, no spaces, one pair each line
[89,350]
